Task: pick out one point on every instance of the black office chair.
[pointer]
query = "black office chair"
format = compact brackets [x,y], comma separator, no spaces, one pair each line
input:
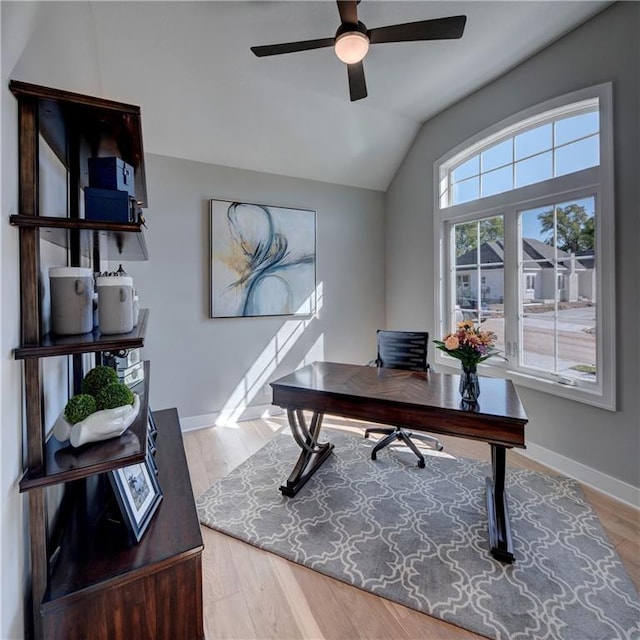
[402,350]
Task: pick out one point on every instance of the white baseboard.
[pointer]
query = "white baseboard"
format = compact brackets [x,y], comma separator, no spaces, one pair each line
[593,478]
[229,417]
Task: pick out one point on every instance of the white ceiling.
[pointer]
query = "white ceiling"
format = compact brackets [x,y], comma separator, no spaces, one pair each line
[206,97]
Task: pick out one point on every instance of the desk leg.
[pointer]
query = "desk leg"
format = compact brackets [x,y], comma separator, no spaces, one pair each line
[313,453]
[497,510]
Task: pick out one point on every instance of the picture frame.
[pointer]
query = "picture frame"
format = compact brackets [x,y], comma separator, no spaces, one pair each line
[152,434]
[151,461]
[152,429]
[151,445]
[138,495]
[262,260]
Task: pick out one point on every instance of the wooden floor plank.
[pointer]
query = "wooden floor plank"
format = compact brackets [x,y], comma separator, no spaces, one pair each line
[252,594]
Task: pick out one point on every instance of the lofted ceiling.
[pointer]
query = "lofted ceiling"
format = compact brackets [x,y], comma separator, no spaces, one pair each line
[206,97]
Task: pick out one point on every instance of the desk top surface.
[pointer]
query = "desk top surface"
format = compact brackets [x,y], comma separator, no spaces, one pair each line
[337,388]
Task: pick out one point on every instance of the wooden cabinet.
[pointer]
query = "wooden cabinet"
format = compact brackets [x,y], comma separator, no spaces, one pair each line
[106,588]
[88,578]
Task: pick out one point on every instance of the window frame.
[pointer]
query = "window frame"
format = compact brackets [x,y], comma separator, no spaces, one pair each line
[594,181]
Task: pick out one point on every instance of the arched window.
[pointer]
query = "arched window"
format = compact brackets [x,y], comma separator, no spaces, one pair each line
[524,244]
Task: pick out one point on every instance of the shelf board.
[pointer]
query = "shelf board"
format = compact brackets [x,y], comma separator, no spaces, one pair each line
[85,343]
[94,557]
[63,463]
[115,240]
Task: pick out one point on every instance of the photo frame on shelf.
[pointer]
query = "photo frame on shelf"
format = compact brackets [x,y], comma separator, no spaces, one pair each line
[262,260]
[152,434]
[151,445]
[138,495]
[152,430]
[151,461]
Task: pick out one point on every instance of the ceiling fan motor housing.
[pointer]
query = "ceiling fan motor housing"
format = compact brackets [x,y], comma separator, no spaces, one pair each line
[350,27]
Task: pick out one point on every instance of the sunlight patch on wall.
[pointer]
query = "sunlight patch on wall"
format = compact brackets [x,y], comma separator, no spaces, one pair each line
[255,381]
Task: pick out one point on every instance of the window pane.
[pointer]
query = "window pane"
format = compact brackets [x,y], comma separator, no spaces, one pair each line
[466,243]
[577,342]
[569,129]
[466,190]
[467,169]
[492,240]
[533,141]
[479,294]
[558,289]
[497,181]
[534,170]
[578,155]
[497,156]
[535,224]
[538,340]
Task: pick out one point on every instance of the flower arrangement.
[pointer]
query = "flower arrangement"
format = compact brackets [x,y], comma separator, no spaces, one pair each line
[469,344]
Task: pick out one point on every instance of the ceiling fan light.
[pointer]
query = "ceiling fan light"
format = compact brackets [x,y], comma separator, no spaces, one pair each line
[351,47]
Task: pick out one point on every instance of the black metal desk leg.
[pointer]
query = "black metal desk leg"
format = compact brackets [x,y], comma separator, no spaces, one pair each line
[497,510]
[313,453]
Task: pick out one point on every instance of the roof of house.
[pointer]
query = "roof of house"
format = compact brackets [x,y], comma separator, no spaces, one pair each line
[533,250]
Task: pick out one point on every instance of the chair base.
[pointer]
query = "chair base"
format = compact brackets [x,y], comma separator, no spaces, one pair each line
[396,433]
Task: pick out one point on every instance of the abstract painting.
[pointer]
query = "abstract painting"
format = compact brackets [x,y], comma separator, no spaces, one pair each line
[263,260]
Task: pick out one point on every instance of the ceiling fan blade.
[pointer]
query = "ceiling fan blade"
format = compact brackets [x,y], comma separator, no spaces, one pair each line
[348,11]
[292,47]
[438,29]
[357,84]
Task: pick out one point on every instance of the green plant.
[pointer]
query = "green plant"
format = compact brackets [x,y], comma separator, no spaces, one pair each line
[98,378]
[114,395]
[79,407]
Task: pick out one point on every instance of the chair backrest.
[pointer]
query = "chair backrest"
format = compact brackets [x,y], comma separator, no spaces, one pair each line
[403,350]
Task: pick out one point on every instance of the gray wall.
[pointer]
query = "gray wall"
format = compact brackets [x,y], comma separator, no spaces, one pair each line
[204,365]
[604,49]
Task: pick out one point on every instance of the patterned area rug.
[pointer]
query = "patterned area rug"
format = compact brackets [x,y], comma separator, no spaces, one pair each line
[419,537]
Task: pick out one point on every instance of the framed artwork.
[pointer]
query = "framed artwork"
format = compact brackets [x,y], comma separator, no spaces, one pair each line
[152,430]
[263,260]
[138,495]
[151,461]
[151,445]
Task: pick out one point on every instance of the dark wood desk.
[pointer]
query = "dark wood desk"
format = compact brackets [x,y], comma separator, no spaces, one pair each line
[420,401]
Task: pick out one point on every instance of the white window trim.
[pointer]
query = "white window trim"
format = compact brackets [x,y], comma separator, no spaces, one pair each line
[603,394]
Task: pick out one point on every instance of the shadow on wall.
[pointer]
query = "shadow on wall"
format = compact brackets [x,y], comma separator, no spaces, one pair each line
[272,359]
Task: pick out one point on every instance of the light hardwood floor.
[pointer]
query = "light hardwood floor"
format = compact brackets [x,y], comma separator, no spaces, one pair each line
[250,593]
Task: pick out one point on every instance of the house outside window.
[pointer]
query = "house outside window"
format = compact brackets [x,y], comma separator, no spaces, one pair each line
[523,212]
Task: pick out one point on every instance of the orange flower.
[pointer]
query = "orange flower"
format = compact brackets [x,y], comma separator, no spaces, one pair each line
[469,344]
[451,342]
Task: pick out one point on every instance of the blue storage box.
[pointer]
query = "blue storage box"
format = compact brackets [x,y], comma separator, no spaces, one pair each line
[108,204]
[111,173]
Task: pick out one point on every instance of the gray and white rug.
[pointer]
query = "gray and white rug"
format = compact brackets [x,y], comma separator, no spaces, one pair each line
[419,537]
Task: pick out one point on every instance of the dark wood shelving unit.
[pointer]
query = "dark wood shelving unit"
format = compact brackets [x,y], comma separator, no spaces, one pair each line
[114,240]
[96,563]
[63,463]
[64,116]
[51,345]
[87,578]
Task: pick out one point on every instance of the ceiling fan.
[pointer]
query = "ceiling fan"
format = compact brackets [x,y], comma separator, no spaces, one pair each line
[352,41]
